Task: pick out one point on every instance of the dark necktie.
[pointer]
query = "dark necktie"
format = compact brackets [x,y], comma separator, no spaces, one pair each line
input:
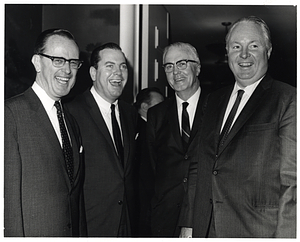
[185,125]
[67,149]
[117,134]
[228,123]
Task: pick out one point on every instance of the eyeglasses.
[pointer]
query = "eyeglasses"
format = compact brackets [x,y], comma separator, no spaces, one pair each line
[61,61]
[181,65]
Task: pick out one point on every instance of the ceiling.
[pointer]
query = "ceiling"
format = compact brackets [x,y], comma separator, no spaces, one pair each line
[201,26]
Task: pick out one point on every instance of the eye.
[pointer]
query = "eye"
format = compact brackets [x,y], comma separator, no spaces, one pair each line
[168,66]
[58,61]
[74,63]
[254,46]
[235,47]
[123,67]
[181,64]
[109,66]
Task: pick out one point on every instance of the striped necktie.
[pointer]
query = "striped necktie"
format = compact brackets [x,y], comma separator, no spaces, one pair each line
[185,126]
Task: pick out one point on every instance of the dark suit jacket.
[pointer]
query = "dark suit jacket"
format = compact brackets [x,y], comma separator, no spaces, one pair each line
[38,197]
[145,181]
[108,186]
[171,163]
[252,182]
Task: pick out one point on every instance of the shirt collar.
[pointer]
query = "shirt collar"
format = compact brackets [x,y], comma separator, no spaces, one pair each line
[102,103]
[193,100]
[47,101]
[248,89]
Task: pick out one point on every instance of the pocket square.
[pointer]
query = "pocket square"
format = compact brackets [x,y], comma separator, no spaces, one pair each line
[81,149]
[136,136]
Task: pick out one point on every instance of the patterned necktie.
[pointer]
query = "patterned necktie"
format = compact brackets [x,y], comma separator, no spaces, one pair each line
[185,125]
[117,135]
[228,123]
[67,149]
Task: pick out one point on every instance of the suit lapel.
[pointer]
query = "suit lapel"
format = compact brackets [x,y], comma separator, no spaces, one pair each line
[40,116]
[253,103]
[125,133]
[100,123]
[174,124]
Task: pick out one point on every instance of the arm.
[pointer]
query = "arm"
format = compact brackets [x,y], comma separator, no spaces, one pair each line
[13,221]
[286,226]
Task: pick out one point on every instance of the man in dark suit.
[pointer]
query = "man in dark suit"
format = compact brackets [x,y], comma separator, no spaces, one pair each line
[43,167]
[246,185]
[146,98]
[172,133]
[109,158]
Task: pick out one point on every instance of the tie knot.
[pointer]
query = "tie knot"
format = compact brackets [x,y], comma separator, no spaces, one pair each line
[240,93]
[112,107]
[184,105]
[57,105]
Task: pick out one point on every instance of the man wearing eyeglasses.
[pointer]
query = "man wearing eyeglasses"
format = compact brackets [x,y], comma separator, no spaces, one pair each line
[173,129]
[43,168]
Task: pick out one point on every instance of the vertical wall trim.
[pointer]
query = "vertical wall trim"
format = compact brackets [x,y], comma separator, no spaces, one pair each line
[129,38]
[145,46]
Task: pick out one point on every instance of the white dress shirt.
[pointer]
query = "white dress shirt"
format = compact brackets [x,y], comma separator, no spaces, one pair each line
[105,110]
[248,92]
[48,104]
[191,108]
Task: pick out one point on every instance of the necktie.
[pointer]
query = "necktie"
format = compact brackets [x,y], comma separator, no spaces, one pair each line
[117,134]
[185,125]
[228,123]
[67,149]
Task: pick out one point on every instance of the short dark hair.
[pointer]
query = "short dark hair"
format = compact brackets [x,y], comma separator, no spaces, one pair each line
[95,57]
[256,20]
[144,96]
[40,44]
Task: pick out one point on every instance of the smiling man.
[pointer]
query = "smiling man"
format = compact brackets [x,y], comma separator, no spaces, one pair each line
[43,165]
[246,183]
[172,132]
[109,158]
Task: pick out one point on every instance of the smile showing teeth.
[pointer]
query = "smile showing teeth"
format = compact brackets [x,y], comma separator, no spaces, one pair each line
[62,79]
[115,83]
[245,64]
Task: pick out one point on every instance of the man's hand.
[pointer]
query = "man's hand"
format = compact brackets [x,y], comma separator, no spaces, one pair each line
[186,232]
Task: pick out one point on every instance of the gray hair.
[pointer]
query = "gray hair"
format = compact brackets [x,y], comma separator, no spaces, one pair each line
[256,20]
[187,47]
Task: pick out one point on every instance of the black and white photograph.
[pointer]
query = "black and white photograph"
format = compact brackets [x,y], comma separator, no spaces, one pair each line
[147,120]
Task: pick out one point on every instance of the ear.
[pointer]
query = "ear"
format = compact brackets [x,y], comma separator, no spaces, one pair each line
[36,61]
[93,73]
[269,52]
[198,69]
[144,106]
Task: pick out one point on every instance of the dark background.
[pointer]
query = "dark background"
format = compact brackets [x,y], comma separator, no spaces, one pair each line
[200,25]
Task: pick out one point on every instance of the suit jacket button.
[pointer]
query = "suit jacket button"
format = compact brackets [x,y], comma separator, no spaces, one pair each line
[185,180]
[215,172]
[120,202]
[210,201]
[186,157]
[69,225]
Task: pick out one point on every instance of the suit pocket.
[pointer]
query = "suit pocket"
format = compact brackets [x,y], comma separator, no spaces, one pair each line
[259,127]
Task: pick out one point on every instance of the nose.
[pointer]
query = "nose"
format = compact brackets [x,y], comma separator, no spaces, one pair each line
[67,67]
[175,69]
[117,70]
[244,53]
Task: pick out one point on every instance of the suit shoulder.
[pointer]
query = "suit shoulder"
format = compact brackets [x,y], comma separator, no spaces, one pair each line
[162,107]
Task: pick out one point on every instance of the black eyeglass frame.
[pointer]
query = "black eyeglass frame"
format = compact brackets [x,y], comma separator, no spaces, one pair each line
[185,60]
[64,59]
